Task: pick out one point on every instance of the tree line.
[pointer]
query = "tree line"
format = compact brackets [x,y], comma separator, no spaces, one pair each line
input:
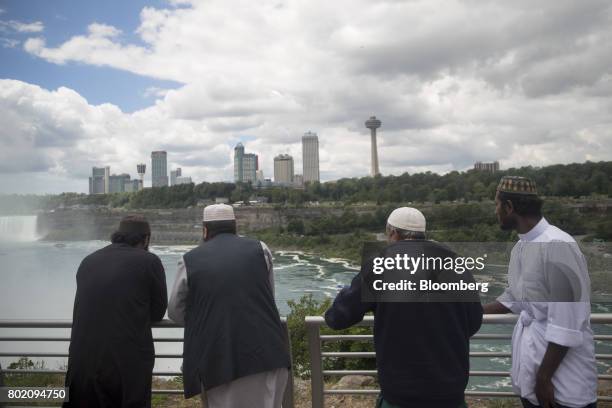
[569,180]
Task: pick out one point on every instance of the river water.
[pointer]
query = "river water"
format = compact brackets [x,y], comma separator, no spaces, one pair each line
[37,281]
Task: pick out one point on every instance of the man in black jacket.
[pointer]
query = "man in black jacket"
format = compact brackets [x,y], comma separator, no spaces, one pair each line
[422,348]
[235,350]
[121,290]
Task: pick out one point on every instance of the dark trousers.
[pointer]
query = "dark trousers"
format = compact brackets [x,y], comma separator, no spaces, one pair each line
[381,403]
[528,404]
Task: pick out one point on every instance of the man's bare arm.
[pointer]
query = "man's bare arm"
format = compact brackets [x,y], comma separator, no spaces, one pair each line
[495,308]
[552,359]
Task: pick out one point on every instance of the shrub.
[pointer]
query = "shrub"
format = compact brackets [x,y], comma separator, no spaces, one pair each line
[307,305]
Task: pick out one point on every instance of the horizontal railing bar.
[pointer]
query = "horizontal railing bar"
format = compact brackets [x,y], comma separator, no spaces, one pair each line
[330,354]
[596,318]
[351,354]
[331,392]
[65,354]
[497,394]
[371,354]
[67,324]
[176,392]
[349,372]
[490,336]
[490,354]
[32,354]
[54,372]
[32,338]
[604,337]
[374,372]
[341,337]
[330,337]
[325,372]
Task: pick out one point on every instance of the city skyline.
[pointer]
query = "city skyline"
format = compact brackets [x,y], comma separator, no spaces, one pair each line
[84,86]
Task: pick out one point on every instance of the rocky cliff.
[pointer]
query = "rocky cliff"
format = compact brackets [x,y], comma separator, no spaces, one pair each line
[168,226]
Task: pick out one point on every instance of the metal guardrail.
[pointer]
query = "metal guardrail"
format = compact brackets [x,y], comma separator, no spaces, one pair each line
[67,324]
[316,340]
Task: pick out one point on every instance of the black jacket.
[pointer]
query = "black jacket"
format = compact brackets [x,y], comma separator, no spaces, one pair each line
[121,290]
[232,325]
[422,349]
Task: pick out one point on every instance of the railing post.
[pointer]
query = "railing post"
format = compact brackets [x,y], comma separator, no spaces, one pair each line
[288,396]
[1,384]
[316,366]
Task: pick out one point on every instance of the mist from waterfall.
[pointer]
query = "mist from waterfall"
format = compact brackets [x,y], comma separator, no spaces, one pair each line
[19,228]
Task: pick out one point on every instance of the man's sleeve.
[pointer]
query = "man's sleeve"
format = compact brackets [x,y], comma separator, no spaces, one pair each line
[269,264]
[507,299]
[159,292]
[348,308]
[566,322]
[474,317]
[178,298]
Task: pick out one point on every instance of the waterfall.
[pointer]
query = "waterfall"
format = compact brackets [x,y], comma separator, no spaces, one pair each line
[18,228]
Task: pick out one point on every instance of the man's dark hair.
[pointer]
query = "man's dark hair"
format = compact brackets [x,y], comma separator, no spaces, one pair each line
[130,238]
[523,204]
[215,228]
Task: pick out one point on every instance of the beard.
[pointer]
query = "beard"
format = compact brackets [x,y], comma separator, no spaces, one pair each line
[507,223]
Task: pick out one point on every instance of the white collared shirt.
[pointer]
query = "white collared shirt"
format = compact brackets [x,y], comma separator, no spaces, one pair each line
[546,264]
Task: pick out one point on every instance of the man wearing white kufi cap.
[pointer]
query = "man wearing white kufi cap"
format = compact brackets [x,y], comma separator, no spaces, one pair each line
[422,348]
[235,349]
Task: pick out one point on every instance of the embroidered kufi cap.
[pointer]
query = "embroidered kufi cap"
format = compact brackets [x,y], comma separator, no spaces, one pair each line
[218,212]
[517,185]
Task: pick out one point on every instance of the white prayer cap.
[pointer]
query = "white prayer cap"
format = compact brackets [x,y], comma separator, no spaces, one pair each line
[218,212]
[407,218]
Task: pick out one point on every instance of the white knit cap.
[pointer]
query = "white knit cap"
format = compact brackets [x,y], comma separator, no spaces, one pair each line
[218,212]
[407,218]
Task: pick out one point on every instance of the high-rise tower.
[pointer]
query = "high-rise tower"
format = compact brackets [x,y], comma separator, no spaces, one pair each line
[374,124]
[159,169]
[310,157]
[141,168]
[283,169]
[245,165]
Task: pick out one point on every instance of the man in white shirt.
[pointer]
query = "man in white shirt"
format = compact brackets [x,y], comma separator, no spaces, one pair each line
[235,349]
[553,354]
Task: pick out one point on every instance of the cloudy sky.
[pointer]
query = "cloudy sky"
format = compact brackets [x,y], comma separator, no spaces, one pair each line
[87,84]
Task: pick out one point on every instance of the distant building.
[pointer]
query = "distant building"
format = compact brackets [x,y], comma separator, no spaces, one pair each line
[132,186]
[259,176]
[250,165]
[117,183]
[99,180]
[310,157]
[490,167]
[183,180]
[283,169]
[141,168]
[174,174]
[298,180]
[245,165]
[159,169]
